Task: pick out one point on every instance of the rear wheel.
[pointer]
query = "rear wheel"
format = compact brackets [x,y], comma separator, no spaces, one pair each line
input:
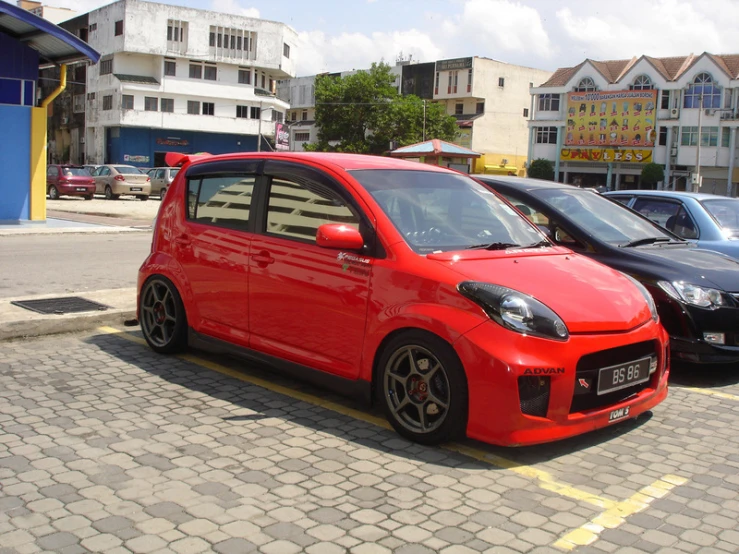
[162,193]
[89,197]
[163,318]
[53,193]
[423,388]
[109,193]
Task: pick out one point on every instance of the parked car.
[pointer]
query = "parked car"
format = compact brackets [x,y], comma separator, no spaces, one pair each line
[69,180]
[403,282]
[696,290]
[91,167]
[709,220]
[113,180]
[161,179]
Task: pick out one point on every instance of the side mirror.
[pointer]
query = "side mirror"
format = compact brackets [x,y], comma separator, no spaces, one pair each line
[339,236]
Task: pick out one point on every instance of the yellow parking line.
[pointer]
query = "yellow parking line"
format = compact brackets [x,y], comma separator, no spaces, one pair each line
[617,514]
[545,479]
[711,392]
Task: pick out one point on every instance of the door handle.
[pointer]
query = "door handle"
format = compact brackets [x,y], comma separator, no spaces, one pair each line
[263,258]
[182,240]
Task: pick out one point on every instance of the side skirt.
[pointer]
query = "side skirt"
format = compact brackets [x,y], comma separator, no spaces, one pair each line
[358,389]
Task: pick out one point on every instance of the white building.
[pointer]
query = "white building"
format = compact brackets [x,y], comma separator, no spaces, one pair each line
[50,13]
[691,129]
[181,79]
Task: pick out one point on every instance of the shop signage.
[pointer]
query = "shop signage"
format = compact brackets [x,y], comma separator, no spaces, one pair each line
[615,118]
[626,155]
[135,159]
[282,137]
[457,63]
[172,142]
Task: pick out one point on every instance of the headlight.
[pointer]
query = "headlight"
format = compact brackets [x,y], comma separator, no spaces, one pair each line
[693,294]
[515,310]
[647,296]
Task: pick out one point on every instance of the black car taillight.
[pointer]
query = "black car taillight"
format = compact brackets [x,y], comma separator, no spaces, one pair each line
[533,392]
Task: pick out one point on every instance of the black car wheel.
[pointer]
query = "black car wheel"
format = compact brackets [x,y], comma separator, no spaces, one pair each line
[109,194]
[89,197]
[163,318]
[423,388]
[162,192]
[53,193]
[143,197]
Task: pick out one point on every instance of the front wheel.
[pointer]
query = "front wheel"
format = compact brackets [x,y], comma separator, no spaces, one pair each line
[423,388]
[53,193]
[163,318]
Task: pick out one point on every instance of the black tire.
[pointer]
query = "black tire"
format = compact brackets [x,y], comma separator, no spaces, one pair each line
[89,197]
[143,197]
[162,315]
[109,194]
[162,192]
[53,193]
[426,401]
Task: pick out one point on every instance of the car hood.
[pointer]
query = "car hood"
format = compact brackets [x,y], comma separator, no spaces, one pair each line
[692,265]
[588,296]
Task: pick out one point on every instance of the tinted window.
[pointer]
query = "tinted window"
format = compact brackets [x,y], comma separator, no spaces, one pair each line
[104,171]
[52,171]
[223,201]
[682,225]
[128,170]
[445,211]
[621,199]
[297,208]
[76,171]
[659,211]
[726,212]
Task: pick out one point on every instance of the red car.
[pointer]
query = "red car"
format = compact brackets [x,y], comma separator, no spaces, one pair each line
[69,180]
[407,284]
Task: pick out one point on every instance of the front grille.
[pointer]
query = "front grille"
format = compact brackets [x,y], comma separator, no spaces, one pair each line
[533,393]
[586,375]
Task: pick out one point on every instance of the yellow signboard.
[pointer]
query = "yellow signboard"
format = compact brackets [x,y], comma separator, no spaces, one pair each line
[625,155]
[614,118]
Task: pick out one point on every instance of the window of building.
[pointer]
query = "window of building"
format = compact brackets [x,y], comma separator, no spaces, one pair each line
[662,136]
[212,39]
[127,101]
[665,100]
[196,71]
[642,82]
[480,107]
[436,84]
[293,115]
[119,28]
[108,102]
[709,136]
[469,80]
[725,137]
[176,30]
[221,201]
[242,112]
[193,107]
[526,112]
[689,136]
[93,27]
[263,80]
[549,102]
[586,85]
[303,136]
[170,68]
[304,115]
[167,105]
[209,108]
[255,112]
[106,67]
[150,103]
[245,76]
[211,73]
[546,135]
[501,81]
[286,50]
[702,93]
[458,109]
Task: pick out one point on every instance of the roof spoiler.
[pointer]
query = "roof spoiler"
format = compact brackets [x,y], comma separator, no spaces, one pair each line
[178,159]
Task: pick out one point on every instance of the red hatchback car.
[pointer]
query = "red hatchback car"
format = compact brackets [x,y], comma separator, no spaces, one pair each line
[408,284]
[69,180]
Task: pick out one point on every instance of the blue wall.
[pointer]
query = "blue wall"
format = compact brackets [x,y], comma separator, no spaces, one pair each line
[136,141]
[18,61]
[15,184]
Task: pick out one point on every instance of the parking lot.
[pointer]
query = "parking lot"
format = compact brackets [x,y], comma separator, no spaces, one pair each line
[108,447]
[125,207]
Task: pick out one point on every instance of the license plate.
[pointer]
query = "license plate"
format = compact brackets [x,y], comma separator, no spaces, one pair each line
[81,189]
[617,377]
[135,188]
[621,413]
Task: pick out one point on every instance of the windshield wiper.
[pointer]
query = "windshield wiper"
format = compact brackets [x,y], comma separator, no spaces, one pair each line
[493,246]
[540,244]
[648,240]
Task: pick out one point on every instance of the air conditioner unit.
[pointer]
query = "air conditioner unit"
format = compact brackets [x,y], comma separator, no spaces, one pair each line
[674,113]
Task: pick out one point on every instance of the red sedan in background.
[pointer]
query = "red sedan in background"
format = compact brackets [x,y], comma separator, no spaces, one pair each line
[69,180]
[407,284]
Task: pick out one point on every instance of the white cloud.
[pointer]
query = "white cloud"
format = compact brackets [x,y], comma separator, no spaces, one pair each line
[233,7]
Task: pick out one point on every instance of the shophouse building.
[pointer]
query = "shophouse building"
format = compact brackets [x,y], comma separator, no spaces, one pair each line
[600,122]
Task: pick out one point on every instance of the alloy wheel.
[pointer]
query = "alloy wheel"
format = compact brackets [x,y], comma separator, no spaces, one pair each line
[159,313]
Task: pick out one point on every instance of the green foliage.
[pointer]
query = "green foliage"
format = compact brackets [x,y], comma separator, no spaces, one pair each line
[541,168]
[364,113]
[652,173]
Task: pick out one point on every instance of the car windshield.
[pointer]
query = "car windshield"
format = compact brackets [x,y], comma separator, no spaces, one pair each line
[76,172]
[128,170]
[437,211]
[604,219]
[726,212]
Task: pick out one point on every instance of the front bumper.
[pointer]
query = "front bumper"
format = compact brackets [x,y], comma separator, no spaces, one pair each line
[495,358]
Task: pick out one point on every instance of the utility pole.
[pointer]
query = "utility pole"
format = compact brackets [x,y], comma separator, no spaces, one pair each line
[259,138]
[424,120]
[697,184]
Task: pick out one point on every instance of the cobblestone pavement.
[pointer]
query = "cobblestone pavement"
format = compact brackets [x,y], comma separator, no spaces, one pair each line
[107,447]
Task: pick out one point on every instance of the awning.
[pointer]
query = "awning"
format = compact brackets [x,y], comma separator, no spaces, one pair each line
[54,44]
[434,147]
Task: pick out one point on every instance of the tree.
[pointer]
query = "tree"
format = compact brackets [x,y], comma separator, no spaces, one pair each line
[541,168]
[364,113]
[651,174]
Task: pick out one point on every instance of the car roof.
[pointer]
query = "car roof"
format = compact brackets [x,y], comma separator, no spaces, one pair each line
[669,194]
[525,183]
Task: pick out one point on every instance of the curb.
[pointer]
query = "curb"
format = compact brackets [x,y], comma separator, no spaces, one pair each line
[17,322]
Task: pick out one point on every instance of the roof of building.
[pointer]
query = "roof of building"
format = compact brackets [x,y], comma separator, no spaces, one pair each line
[671,68]
[141,79]
[54,44]
[434,147]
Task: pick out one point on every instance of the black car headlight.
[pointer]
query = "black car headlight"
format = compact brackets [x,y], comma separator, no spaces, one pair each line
[515,310]
[695,295]
[647,296]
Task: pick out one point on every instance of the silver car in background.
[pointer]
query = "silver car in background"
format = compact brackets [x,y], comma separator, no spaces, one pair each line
[161,179]
[113,180]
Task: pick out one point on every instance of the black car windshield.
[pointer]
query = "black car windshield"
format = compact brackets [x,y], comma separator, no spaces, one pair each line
[437,211]
[604,219]
[76,172]
[128,170]
[726,212]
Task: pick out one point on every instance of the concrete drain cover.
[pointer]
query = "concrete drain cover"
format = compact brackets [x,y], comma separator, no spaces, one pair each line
[64,305]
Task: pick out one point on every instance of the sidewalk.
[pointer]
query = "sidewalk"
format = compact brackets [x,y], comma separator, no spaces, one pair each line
[60,222]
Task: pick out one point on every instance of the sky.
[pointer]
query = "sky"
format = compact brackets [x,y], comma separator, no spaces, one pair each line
[340,35]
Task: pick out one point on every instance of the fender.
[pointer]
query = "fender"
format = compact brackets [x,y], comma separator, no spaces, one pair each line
[160,263]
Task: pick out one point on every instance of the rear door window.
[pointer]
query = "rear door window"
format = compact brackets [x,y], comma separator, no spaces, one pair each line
[659,211]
